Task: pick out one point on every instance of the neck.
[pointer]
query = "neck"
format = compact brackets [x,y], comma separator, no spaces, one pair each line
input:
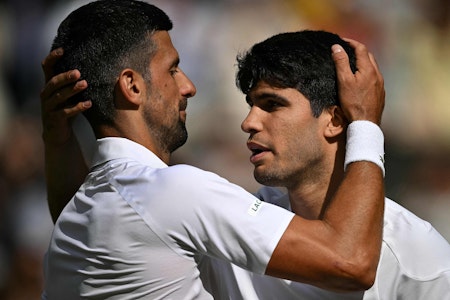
[309,200]
[140,137]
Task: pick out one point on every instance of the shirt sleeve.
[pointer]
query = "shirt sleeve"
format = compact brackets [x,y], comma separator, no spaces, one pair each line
[199,213]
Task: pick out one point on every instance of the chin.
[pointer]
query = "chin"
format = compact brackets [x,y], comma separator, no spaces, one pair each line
[270,176]
[178,142]
[266,179]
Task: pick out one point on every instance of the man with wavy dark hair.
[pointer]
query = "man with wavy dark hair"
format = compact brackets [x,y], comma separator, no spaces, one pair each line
[297,135]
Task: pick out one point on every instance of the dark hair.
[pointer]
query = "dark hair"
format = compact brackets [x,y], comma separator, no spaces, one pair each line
[101,39]
[300,60]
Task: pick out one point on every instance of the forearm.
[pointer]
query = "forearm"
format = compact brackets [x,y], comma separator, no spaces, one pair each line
[354,220]
[65,170]
[357,208]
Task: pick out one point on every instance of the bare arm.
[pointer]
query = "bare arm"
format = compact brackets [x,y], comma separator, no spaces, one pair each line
[65,167]
[341,251]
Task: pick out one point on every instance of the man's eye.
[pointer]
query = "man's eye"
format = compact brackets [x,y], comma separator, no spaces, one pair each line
[271,105]
[173,71]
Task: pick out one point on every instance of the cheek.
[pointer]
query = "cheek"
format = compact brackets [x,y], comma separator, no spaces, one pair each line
[298,139]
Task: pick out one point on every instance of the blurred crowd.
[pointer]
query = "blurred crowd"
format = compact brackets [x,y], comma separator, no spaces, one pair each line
[409,38]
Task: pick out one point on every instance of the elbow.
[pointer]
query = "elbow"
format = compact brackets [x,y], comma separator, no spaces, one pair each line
[360,272]
[363,278]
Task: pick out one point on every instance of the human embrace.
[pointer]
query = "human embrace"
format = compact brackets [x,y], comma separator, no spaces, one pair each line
[129,225]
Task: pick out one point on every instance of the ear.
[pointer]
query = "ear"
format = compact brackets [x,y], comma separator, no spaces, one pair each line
[130,88]
[336,121]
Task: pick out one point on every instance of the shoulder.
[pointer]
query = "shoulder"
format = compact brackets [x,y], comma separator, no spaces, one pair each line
[188,173]
[195,181]
[403,225]
[182,186]
[165,179]
[413,243]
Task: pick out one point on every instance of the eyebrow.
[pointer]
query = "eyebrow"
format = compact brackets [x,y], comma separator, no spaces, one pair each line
[266,95]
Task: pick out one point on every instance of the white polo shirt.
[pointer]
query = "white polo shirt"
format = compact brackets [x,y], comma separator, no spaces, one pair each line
[414,265]
[138,229]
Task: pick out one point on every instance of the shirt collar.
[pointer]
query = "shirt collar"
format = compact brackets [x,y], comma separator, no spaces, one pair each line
[119,148]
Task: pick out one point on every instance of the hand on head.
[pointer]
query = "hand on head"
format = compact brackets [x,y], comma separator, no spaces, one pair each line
[362,93]
[56,113]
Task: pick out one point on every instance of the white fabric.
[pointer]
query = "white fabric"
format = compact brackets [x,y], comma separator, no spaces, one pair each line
[137,229]
[365,141]
[414,265]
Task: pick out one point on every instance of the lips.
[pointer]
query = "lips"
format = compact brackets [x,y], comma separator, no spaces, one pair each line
[183,105]
[258,151]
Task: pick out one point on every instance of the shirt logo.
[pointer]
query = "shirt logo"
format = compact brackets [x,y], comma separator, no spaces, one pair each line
[254,207]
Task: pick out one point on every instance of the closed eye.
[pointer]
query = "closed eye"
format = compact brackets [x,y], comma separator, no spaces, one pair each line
[267,101]
[174,66]
[269,105]
[174,71]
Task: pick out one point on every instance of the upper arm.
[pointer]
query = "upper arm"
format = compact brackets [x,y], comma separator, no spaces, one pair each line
[305,253]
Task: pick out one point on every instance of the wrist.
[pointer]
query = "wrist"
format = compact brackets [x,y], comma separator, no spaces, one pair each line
[365,142]
[57,142]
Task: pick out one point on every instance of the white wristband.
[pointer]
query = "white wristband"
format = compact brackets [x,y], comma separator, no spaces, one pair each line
[365,142]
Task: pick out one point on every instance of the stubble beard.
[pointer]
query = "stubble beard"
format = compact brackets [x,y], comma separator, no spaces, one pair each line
[289,176]
[269,177]
[177,138]
[169,138]
[172,138]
